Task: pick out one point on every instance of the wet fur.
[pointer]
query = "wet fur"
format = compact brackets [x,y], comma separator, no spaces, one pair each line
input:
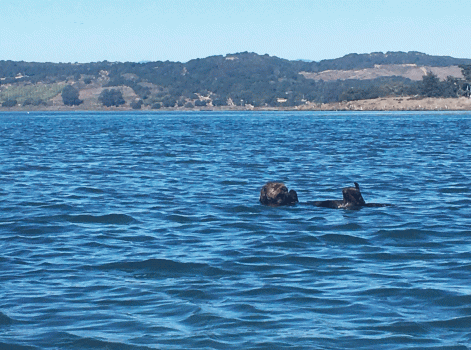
[276,194]
[352,199]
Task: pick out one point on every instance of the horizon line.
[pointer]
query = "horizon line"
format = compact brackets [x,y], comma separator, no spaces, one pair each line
[243,52]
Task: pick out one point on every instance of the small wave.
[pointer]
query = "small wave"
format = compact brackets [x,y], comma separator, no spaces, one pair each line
[454,190]
[137,238]
[68,340]
[192,161]
[181,219]
[405,234]
[11,346]
[164,267]
[30,167]
[30,230]
[203,319]
[88,189]
[463,322]
[313,262]
[108,219]
[33,204]
[233,183]
[384,292]
[347,227]
[89,343]
[5,320]
[456,301]
[191,293]
[429,294]
[401,327]
[344,239]
[240,209]
[60,206]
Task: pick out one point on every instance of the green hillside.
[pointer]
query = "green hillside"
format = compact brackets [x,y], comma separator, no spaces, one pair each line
[232,80]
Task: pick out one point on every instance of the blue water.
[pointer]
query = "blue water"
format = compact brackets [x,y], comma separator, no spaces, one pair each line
[144,231]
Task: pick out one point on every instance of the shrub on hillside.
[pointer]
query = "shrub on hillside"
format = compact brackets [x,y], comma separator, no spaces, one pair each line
[111,97]
[200,103]
[10,103]
[137,104]
[169,102]
[30,102]
[219,102]
[70,96]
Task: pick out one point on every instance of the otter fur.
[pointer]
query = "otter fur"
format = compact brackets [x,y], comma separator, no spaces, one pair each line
[276,194]
[352,199]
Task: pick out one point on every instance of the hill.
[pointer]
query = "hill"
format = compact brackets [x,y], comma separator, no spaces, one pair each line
[409,71]
[369,60]
[239,80]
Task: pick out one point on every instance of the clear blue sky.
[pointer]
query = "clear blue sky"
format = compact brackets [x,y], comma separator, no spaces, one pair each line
[180,30]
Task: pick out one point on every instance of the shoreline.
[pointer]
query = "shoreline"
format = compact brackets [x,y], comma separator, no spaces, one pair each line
[391,104]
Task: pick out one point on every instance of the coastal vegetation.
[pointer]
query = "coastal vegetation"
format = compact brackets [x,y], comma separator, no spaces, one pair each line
[112,97]
[70,96]
[231,81]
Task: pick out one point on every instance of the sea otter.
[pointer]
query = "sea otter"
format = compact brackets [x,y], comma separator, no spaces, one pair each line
[276,193]
[352,199]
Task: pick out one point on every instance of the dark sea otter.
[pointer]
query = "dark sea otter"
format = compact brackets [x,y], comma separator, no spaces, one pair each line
[276,193]
[352,199]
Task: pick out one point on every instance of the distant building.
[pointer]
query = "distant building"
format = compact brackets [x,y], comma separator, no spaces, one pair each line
[467,91]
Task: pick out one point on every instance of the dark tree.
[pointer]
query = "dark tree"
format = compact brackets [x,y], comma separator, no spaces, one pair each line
[10,103]
[431,86]
[156,105]
[219,102]
[137,104]
[70,96]
[450,87]
[200,103]
[169,102]
[466,70]
[28,102]
[111,97]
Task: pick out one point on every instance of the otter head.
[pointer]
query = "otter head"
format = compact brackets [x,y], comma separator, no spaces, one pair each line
[292,197]
[352,196]
[276,194]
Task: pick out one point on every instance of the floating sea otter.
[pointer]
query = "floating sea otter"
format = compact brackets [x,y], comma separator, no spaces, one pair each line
[276,194]
[352,199]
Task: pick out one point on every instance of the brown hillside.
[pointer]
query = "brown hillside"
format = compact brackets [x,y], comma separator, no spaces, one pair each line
[410,71]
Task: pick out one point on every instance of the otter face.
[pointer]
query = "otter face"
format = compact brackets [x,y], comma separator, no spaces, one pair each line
[293,197]
[276,194]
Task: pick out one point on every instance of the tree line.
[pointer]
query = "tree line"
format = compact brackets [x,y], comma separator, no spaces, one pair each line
[243,78]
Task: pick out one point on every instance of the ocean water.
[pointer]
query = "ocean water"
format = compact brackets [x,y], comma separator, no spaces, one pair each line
[144,231]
